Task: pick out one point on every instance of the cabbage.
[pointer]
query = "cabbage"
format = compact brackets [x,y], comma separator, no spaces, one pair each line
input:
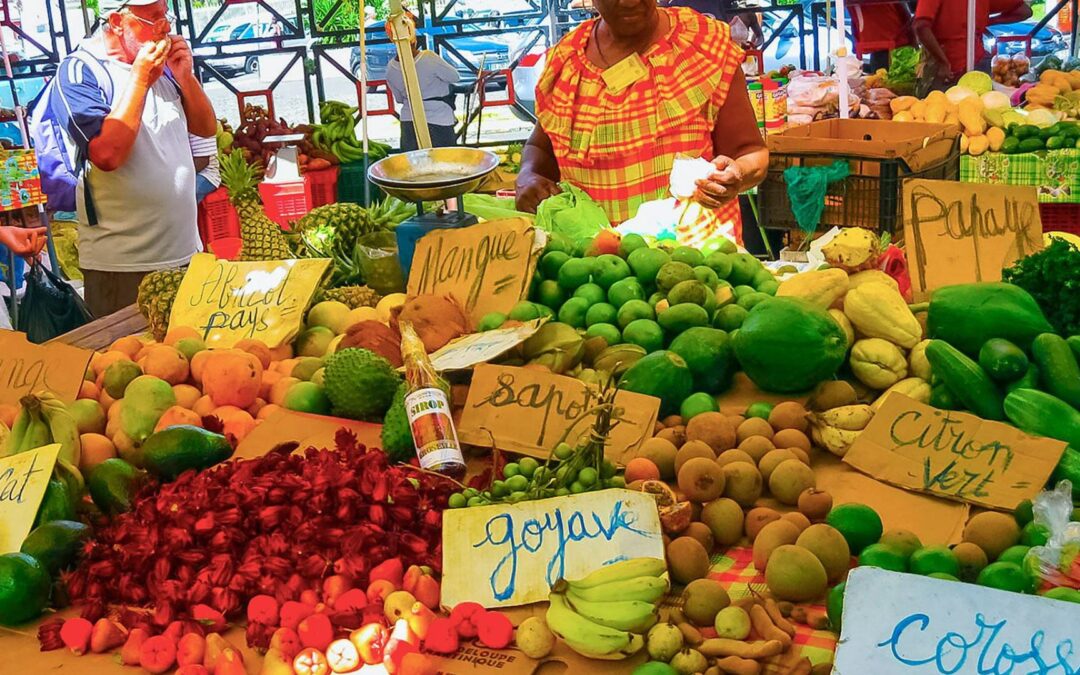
[1014,116]
[1042,118]
[977,81]
[957,93]
[992,100]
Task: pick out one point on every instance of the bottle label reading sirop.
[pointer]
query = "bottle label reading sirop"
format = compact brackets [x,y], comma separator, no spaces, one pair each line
[432,428]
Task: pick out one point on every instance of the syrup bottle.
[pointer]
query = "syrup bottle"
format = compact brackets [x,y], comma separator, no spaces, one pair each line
[427,405]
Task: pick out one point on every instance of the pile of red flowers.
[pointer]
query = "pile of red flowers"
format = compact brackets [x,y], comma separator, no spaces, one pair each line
[276,525]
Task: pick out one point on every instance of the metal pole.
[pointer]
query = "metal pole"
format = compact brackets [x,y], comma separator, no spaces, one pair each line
[842,62]
[402,35]
[971,36]
[363,100]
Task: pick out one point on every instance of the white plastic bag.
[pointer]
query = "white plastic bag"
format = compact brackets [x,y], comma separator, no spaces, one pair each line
[1057,563]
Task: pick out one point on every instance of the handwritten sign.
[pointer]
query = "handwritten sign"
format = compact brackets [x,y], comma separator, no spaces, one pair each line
[904,624]
[965,232]
[469,350]
[26,367]
[511,554]
[23,479]
[231,301]
[487,267]
[528,411]
[953,455]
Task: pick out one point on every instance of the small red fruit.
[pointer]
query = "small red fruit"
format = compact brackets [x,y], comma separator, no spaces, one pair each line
[129,655]
[292,613]
[311,662]
[442,637]
[316,632]
[158,654]
[464,610]
[263,609]
[211,619]
[412,575]
[494,629]
[352,600]
[191,649]
[342,656]
[230,663]
[370,641]
[310,598]
[391,570]
[174,631]
[402,641]
[419,618]
[286,641]
[75,633]
[428,591]
[334,587]
[378,590]
[107,636]
[193,669]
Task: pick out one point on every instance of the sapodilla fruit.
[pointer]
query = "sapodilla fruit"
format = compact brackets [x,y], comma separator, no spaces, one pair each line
[829,547]
[742,482]
[795,574]
[687,560]
[690,450]
[773,459]
[992,532]
[789,479]
[772,536]
[725,518]
[815,504]
[757,518]
[714,429]
[701,479]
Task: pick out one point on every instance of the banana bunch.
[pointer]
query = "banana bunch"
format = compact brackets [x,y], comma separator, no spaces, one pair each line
[337,134]
[605,614]
[836,429]
[43,420]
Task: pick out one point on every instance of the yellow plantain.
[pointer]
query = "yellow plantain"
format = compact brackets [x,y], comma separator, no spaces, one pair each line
[849,417]
[646,589]
[618,571]
[635,616]
[63,428]
[588,638]
[18,433]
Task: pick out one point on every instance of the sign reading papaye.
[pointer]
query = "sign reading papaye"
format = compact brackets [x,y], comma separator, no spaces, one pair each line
[512,554]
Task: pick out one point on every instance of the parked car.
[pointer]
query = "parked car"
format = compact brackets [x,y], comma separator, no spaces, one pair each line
[254,33]
[1045,42]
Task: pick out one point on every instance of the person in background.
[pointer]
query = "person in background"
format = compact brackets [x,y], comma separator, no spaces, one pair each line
[207,169]
[436,78]
[141,176]
[941,27]
[878,29]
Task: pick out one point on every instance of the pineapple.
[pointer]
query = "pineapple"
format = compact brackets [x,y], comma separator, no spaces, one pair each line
[157,291]
[353,296]
[262,238]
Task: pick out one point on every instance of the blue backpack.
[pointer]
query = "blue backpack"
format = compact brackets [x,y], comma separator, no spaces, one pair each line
[60,162]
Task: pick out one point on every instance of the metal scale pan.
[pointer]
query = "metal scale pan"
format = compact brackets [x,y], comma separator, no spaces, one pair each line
[433,175]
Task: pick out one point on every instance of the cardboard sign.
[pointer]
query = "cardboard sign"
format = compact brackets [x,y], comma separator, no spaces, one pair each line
[308,430]
[528,411]
[953,455]
[957,233]
[26,367]
[486,267]
[23,479]
[905,624]
[511,554]
[470,350]
[231,301]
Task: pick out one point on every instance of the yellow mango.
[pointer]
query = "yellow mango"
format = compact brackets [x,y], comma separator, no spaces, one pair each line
[820,287]
[970,115]
[964,144]
[912,387]
[918,110]
[977,145]
[903,116]
[935,113]
[877,363]
[877,310]
[996,137]
[936,96]
[952,119]
[902,103]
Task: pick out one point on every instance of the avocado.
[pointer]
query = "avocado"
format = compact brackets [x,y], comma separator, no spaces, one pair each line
[113,485]
[56,544]
[172,451]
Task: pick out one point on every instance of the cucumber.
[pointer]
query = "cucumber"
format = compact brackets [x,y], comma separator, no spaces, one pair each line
[1057,363]
[943,399]
[1030,380]
[1074,344]
[1068,468]
[1002,360]
[1036,412]
[964,378]
[1032,145]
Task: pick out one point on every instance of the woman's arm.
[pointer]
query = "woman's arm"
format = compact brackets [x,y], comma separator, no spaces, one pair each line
[741,157]
[539,174]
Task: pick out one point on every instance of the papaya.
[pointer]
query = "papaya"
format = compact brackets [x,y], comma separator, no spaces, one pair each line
[662,374]
[789,345]
[707,352]
[172,451]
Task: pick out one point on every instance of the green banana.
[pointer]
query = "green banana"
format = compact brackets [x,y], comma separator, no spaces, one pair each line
[71,475]
[37,431]
[586,637]
[629,615]
[62,427]
[18,433]
[618,571]
[646,589]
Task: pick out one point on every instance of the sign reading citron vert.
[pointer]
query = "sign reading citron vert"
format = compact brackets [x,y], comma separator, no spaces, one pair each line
[231,301]
[23,479]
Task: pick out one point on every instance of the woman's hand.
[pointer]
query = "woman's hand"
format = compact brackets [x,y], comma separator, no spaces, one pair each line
[23,241]
[532,188]
[722,186]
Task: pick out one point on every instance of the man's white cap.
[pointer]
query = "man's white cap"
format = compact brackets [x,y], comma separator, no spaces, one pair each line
[107,6]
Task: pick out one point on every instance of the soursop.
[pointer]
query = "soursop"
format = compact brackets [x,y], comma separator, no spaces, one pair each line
[396,435]
[360,384]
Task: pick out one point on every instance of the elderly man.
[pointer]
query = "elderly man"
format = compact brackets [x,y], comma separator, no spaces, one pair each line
[138,214]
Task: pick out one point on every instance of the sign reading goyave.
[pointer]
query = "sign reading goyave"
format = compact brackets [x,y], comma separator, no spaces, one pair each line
[953,455]
[528,412]
[231,301]
[904,624]
[512,554]
[26,367]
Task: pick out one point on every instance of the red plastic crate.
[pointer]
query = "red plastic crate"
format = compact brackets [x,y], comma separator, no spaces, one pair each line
[322,186]
[1060,218]
[226,249]
[287,202]
[217,218]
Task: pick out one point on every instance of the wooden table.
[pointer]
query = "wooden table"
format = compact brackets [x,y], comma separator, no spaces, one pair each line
[101,333]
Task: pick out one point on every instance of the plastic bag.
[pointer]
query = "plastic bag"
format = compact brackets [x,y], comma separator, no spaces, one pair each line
[1057,563]
[490,207]
[377,255]
[689,222]
[571,213]
[51,307]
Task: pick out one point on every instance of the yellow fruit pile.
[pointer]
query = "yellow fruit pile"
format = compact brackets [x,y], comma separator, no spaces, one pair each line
[978,136]
[1052,84]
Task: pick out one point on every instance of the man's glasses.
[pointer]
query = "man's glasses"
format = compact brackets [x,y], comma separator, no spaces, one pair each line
[167,21]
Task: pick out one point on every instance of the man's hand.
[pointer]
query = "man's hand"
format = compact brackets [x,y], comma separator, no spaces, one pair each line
[532,189]
[23,241]
[150,62]
[180,61]
[722,186]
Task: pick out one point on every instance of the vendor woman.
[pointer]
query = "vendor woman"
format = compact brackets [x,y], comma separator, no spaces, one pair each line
[624,94]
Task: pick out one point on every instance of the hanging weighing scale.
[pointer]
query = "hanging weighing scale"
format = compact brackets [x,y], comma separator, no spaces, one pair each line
[284,164]
[428,174]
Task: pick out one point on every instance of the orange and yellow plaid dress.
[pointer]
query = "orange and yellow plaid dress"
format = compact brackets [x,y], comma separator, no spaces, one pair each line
[619,147]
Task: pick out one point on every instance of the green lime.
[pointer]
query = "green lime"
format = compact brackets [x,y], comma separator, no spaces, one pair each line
[729,317]
[835,605]
[751,300]
[563,451]
[934,559]
[610,332]
[307,397]
[601,312]
[528,466]
[573,312]
[476,501]
[499,488]
[609,269]
[511,469]
[491,321]
[517,483]
[559,242]
[719,263]
[525,311]
[577,488]
[656,298]
[646,334]
[622,292]
[608,470]
[769,287]
[587,476]
[760,409]
[615,482]
[707,276]
[634,310]
[550,294]
[1014,554]
[551,263]
[695,404]
[575,272]
[646,264]
[690,256]
[457,501]
[743,268]
[544,311]
[742,290]
[631,243]
[672,273]
[24,588]
[884,556]
[1006,576]
[1024,513]
[860,525]
[591,292]
[1034,534]
[562,492]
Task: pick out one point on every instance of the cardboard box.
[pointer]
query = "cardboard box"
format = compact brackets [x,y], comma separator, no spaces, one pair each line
[918,144]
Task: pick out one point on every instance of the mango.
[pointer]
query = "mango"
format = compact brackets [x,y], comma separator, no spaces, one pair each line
[145,400]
